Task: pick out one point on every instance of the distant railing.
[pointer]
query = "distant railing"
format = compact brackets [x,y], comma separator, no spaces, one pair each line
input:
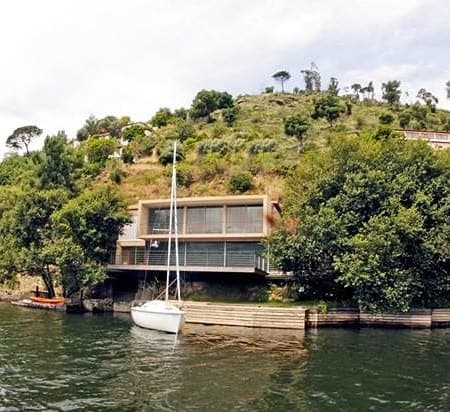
[202,259]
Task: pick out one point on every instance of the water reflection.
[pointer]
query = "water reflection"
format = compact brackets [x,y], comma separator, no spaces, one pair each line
[57,362]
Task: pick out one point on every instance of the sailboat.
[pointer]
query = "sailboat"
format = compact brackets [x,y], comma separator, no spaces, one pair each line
[160,314]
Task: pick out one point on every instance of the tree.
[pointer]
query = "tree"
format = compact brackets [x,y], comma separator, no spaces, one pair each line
[370,90]
[91,127]
[447,85]
[282,77]
[428,98]
[312,78]
[93,221]
[369,220]
[22,137]
[333,87]
[134,131]
[162,117]
[98,149]
[59,164]
[113,126]
[391,92]
[26,227]
[296,126]
[207,101]
[327,107]
[356,87]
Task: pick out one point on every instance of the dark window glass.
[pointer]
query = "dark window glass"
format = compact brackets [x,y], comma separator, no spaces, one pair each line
[242,253]
[204,220]
[205,254]
[158,220]
[244,219]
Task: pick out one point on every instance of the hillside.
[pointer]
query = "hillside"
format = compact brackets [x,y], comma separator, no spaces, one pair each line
[255,144]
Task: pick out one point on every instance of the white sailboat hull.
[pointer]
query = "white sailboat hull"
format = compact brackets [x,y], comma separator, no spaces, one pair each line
[158,315]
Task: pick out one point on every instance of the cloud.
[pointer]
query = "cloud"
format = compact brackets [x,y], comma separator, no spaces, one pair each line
[65,60]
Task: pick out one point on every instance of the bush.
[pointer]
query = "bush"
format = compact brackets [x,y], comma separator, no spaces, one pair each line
[386,118]
[207,101]
[116,174]
[269,89]
[136,130]
[262,146]
[213,146]
[229,115]
[241,182]
[127,156]
[184,130]
[166,157]
[98,149]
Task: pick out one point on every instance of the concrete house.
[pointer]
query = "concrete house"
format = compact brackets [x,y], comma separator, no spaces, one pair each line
[220,234]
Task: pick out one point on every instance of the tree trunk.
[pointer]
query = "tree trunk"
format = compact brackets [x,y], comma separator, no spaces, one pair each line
[48,280]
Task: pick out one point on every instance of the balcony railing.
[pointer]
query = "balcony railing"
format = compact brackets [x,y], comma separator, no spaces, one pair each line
[201,259]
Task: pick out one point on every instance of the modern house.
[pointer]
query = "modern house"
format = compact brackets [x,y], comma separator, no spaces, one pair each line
[438,140]
[220,234]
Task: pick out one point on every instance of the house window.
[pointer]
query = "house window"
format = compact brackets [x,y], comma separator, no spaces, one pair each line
[244,219]
[204,220]
[158,220]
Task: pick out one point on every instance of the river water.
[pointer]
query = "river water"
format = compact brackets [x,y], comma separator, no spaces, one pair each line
[59,362]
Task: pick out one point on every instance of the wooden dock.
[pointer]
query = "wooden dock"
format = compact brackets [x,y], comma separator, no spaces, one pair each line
[256,316]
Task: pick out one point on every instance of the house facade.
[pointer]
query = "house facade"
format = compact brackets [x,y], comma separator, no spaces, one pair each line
[216,234]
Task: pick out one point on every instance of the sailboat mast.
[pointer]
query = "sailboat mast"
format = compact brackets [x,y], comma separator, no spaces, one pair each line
[169,246]
[175,205]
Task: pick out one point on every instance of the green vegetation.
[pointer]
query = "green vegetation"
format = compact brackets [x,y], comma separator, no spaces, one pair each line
[366,213]
[369,220]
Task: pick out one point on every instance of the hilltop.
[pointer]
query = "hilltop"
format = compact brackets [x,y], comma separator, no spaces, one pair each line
[255,146]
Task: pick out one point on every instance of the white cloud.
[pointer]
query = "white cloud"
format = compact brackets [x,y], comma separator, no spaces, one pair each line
[62,61]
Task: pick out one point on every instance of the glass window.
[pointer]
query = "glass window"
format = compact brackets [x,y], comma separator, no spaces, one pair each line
[242,254]
[204,219]
[245,219]
[204,253]
[130,231]
[158,220]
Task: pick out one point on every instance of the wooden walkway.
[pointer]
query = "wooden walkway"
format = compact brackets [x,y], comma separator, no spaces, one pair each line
[256,316]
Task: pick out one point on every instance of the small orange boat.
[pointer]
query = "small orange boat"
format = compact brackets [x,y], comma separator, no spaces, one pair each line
[53,301]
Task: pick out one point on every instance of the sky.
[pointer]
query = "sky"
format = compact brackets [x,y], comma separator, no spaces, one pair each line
[62,60]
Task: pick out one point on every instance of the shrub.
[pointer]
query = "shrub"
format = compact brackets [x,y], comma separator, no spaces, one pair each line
[116,174]
[229,115]
[262,146]
[166,157]
[184,130]
[386,118]
[240,182]
[269,89]
[98,150]
[136,130]
[214,146]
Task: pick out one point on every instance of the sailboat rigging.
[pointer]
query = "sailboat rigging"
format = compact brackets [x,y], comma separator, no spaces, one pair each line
[161,314]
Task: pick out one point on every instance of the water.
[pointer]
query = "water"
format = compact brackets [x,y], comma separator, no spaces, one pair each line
[58,362]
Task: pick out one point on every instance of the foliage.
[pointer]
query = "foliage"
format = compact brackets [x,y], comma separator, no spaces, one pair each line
[386,118]
[428,98]
[268,89]
[162,117]
[15,169]
[262,146]
[93,221]
[99,149]
[327,107]
[166,157]
[391,92]
[296,126]
[229,115]
[134,131]
[312,78]
[112,126]
[333,87]
[140,146]
[22,137]
[59,164]
[207,101]
[91,127]
[240,182]
[281,76]
[369,219]
[184,130]
[403,119]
